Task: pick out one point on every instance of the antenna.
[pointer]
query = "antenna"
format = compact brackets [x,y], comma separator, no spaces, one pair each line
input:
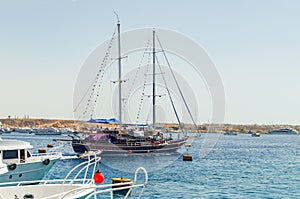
[117,16]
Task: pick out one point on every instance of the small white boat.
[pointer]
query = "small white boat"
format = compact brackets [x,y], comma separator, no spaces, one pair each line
[230,133]
[71,188]
[284,131]
[47,131]
[18,164]
[255,134]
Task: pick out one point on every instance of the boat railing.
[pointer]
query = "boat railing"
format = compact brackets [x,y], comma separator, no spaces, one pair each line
[93,160]
[41,182]
[121,186]
[88,187]
[54,153]
[94,189]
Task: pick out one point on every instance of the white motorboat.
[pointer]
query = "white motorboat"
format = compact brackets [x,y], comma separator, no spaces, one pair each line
[284,131]
[71,188]
[18,164]
[47,131]
[230,133]
[255,134]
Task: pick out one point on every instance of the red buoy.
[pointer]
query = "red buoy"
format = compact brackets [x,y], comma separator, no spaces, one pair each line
[98,177]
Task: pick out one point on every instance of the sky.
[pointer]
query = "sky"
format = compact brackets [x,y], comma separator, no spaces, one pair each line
[254,45]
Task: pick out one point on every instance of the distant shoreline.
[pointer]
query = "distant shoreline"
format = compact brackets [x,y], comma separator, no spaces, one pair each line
[60,123]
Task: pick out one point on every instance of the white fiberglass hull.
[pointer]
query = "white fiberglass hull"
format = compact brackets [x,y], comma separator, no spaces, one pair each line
[28,171]
[49,191]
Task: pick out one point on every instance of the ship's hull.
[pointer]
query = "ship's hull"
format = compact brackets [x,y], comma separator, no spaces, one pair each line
[27,171]
[114,149]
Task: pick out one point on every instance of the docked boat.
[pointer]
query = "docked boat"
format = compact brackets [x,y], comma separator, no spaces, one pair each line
[230,133]
[284,131]
[126,140]
[47,131]
[6,130]
[255,134]
[72,186]
[21,164]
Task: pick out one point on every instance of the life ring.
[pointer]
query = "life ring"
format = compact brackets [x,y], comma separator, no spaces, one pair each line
[12,166]
[46,161]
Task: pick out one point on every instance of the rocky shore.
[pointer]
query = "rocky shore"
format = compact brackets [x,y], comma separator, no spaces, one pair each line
[74,124]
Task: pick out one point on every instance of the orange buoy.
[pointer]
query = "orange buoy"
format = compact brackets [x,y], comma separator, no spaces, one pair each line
[42,150]
[98,177]
[50,145]
[187,157]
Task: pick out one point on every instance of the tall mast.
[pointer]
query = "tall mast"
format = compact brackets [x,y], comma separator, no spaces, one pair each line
[119,80]
[153,86]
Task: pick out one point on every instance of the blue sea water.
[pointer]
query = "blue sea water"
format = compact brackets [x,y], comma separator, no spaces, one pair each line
[236,167]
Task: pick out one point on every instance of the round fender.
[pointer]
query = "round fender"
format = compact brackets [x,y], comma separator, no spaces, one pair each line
[12,166]
[46,161]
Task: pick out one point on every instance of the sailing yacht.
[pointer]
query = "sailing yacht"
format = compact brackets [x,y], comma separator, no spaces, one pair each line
[130,141]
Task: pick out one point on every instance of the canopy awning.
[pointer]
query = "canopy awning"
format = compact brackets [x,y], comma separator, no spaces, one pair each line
[104,121]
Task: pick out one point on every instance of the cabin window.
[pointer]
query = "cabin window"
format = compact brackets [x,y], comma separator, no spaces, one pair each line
[28,154]
[22,155]
[10,154]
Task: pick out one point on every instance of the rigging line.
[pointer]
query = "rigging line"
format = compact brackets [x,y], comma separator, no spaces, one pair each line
[183,98]
[169,94]
[104,63]
[143,89]
[137,72]
[98,74]
[97,80]
[85,94]
[93,82]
